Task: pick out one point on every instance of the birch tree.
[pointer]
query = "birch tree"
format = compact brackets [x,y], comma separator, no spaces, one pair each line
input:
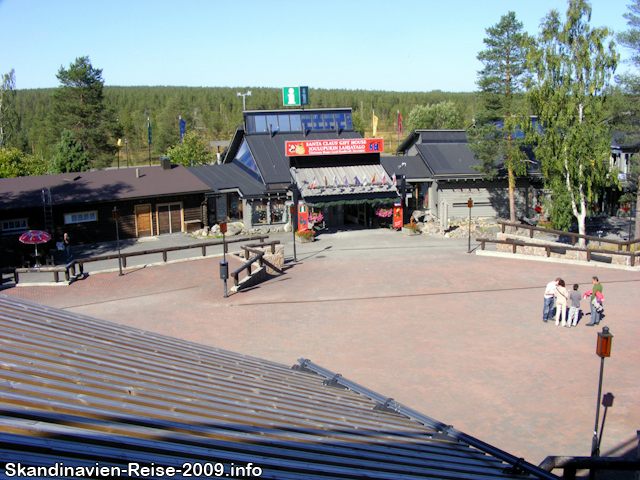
[571,65]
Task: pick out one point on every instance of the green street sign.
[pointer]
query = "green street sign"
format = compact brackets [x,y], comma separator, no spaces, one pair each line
[295,96]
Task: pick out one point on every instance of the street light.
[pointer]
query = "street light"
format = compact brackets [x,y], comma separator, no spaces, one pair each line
[243,95]
[603,350]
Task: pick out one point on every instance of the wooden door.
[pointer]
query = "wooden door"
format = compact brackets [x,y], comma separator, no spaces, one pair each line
[143,220]
[169,218]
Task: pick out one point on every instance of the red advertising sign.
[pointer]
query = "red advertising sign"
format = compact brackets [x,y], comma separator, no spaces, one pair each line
[397,215]
[303,218]
[334,147]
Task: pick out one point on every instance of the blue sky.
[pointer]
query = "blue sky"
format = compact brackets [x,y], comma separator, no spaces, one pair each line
[397,45]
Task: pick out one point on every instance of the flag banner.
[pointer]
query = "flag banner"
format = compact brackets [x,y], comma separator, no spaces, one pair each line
[149,125]
[375,125]
[303,218]
[313,184]
[373,179]
[346,182]
[357,181]
[335,181]
[384,179]
[183,126]
[397,215]
[334,147]
[394,180]
[119,142]
[399,125]
[324,178]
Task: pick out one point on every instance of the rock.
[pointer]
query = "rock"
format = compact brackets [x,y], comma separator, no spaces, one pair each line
[288,228]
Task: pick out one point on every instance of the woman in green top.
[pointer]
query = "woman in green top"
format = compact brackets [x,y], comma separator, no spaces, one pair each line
[595,314]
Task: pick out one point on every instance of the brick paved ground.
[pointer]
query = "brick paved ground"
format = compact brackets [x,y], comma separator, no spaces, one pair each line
[458,337]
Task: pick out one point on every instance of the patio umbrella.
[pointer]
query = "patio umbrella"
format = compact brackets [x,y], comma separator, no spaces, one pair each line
[35,237]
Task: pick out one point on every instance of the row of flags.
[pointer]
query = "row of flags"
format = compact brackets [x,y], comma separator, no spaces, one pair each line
[374,123]
[357,182]
[183,126]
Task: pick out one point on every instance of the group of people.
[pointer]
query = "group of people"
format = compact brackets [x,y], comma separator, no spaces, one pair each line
[556,294]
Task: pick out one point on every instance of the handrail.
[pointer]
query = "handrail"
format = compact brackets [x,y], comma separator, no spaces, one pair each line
[247,265]
[549,248]
[574,236]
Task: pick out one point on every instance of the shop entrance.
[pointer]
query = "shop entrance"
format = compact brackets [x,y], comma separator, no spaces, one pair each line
[143,220]
[169,218]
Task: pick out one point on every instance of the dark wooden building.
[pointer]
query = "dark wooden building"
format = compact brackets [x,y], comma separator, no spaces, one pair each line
[150,200]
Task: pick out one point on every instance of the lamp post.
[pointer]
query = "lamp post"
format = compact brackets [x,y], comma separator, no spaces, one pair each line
[292,210]
[116,217]
[603,350]
[243,95]
[470,205]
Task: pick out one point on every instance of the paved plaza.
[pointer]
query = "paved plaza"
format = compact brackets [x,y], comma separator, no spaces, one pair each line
[456,336]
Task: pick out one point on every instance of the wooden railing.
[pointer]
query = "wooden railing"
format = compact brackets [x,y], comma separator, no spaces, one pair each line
[165,251]
[69,269]
[574,236]
[258,256]
[557,249]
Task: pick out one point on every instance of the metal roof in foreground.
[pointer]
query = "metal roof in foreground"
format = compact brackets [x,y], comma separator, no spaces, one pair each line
[81,392]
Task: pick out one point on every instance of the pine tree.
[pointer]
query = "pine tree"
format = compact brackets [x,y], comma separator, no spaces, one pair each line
[8,116]
[494,138]
[79,107]
[571,65]
[69,156]
[631,39]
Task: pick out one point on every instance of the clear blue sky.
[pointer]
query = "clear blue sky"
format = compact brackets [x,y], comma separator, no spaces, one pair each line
[394,45]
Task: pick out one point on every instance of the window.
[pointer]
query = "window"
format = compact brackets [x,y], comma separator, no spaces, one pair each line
[306,123]
[251,123]
[283,123]
[14,225]
[277,210]
[341,121]
[245,160]
[296,126]
[317,121]
[272,123]
[80,217]
[259,212]
[329,123]
[261,123]
[349,122]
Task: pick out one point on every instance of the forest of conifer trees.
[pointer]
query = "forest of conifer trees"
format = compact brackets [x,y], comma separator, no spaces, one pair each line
[215,113]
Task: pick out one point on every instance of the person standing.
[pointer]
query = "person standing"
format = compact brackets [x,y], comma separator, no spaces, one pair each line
[549,292]
[561,297]
[596,309]
[574,310]
[66,241]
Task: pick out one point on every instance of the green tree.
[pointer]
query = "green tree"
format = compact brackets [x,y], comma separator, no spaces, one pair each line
[359,125]
[14,163]
[631,82]
[193,151]
[79,107]
[69,156]
[8,116]
[571,65]
[494,138]
[443,115]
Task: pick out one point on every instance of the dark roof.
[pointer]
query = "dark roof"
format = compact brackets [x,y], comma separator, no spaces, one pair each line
[227,177]
[415,168]
[449,159]
[268,151]
[98,186]
[77,390]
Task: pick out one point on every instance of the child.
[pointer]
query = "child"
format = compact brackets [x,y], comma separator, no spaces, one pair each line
[574,310]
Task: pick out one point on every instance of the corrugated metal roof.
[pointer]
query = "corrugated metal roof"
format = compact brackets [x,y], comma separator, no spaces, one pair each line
[80,391]
[228,176]
[449,159]
[98,186]
[360,179]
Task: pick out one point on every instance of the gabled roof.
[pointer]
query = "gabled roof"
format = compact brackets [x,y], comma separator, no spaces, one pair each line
[79,391]
[98,186]
[225,177]
[268,150]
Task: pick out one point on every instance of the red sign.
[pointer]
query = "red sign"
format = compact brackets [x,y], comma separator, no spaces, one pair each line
[303,218]
[334,147]
[397,215]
